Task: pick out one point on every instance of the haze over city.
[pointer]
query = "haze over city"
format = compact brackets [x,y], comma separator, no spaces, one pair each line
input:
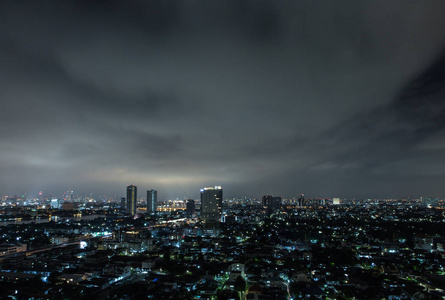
[330,99]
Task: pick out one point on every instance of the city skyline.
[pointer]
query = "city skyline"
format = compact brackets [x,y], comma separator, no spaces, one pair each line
[316,249]
[333,99]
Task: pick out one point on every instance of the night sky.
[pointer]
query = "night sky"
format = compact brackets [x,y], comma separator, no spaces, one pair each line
[326,98]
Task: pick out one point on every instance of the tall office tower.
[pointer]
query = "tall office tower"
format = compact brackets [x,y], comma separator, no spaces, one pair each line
[152,201]
[267,200]
[190,209]
[271,203]
[123,204]
[211,203]
[301,201]
[276,203]
[132,196]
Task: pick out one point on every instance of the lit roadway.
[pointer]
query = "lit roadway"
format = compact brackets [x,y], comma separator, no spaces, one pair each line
[79,240]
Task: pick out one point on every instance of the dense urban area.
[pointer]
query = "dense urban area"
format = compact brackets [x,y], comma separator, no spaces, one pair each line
[209,248]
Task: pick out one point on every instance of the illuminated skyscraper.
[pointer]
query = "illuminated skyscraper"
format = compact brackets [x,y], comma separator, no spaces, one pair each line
[152,201]
[211,203]
[132,196]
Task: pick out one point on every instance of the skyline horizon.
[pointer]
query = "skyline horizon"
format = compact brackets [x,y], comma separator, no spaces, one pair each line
[118,196]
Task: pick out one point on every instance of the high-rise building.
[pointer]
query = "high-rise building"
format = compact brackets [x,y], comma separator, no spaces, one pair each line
[211,203]
[152,201]
[123,205]
[69,195]
[301,201]
[55,203]
[276,203]
[271,203]
[190,208]
[132,196]
[267,200]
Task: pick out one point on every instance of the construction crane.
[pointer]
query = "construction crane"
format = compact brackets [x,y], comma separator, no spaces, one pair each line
[187,195]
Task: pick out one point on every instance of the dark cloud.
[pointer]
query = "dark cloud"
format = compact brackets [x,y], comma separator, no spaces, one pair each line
[323,97]
[389,142]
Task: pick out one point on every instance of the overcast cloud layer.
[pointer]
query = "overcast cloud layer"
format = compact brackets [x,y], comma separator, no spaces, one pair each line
[326,98]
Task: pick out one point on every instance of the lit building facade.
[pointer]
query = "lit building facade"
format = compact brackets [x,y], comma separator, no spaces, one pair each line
[211,203]
[152,201]
[132,196]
